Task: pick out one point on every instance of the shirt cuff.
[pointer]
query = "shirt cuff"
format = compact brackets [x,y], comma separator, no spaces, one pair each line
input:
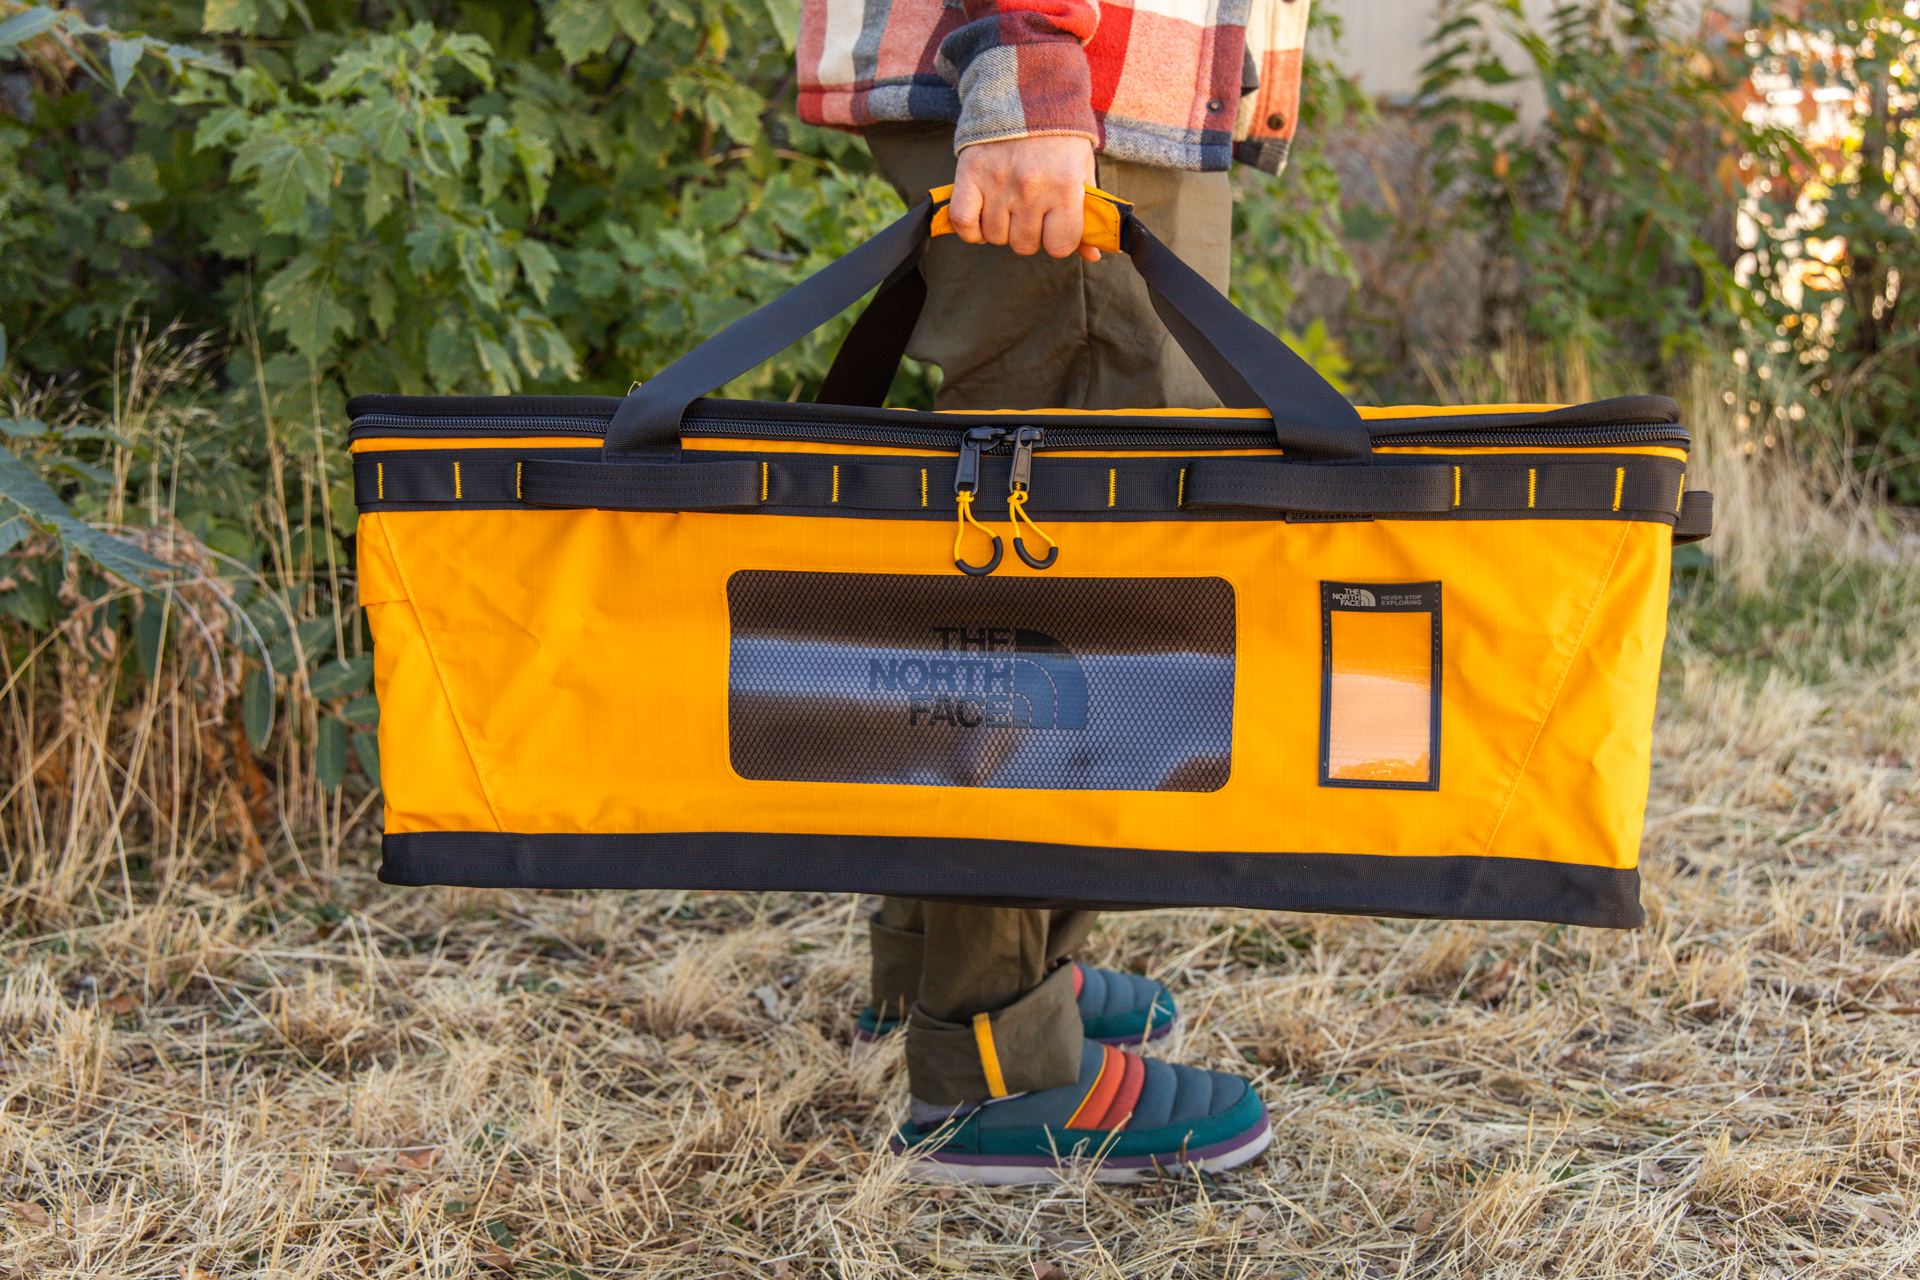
[1036,85]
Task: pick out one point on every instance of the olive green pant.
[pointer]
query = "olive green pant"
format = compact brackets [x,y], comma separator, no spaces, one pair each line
[1012,332]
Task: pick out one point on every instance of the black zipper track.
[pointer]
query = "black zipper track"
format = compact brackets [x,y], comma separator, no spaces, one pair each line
[1073,438]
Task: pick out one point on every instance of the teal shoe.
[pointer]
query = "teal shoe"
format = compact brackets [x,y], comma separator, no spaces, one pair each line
[1134,1117]
[1115,1008]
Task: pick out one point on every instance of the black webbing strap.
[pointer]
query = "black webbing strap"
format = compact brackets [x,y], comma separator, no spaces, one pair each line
[649,416]
[1389,490]
[1696,517]
[1247,366]
[643,486]
[1637,488]
[870,355]
[499,478]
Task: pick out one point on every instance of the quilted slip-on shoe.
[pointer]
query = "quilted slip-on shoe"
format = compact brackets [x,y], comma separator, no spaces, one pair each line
[1115,1008]
[1133,1118]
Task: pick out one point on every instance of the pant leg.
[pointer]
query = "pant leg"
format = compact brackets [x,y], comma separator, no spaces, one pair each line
[1007,967]
[1012,332]
[898,931]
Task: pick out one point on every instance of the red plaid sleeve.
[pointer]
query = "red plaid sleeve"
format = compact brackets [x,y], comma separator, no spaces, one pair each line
[1021,69]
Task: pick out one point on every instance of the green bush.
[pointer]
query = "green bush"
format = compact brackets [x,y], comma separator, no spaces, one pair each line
[1659,209]
[1838,255]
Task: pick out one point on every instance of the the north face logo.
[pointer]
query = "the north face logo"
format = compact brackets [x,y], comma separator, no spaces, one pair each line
[1355,598]
[992,676]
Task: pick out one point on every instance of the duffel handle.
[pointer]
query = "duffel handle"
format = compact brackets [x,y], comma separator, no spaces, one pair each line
[1103,227]
[1248,367]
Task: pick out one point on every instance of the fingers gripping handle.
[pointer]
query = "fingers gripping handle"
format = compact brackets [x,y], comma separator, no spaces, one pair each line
[1105,215]
[1247,366]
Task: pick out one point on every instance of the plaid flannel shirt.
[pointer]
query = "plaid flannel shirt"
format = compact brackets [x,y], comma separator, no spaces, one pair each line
[1183,84]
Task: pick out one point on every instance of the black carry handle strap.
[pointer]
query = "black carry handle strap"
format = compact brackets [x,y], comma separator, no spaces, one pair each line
[1247,366]
[869,356]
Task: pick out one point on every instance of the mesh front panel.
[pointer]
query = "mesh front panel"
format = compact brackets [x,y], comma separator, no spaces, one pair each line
[1044,683]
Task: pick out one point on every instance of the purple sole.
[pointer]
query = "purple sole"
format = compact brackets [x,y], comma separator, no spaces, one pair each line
[1012,1170]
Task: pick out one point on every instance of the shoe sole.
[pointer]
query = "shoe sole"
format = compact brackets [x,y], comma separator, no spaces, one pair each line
[863,1036]
[1019,1171]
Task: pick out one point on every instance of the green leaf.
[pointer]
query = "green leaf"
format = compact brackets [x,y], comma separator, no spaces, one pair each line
[580,28]
[536,161]
[315,637]
[287,172]
[366,746]
[637,24]
[785,16]
[32,601]
[122,57]
[303,304]
[26,427]
[363,710]
[14,530]
[77,468]
[24,26]
[256,707]
[230,15]
[538,264]
[330,753]
[149,633]
[340,679]
[23,485]
[20,484]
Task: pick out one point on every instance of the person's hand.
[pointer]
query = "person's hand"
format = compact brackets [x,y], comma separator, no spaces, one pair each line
[1025,193]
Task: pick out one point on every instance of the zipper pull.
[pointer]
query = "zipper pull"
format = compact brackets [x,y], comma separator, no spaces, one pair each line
[1019,483]
[966,484]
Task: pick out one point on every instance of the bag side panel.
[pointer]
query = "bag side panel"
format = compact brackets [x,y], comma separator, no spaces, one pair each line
[427,774]
[1585,782]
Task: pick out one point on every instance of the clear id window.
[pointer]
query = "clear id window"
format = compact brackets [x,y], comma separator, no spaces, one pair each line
[1380,685]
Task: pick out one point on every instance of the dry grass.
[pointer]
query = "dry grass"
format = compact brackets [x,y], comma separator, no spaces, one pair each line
[312,1075]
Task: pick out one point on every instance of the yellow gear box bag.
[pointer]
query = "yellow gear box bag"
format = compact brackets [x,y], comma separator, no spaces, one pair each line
[1284,654]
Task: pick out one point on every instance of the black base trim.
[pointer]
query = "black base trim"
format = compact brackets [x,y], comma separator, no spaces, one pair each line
[1462,888]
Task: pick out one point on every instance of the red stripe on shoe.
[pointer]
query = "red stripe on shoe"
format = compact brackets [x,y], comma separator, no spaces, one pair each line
[1132,1080]
[1105,1085]
[1079,980]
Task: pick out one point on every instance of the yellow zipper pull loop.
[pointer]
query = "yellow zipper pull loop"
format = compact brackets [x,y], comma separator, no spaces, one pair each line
[1019,484]
[966,482]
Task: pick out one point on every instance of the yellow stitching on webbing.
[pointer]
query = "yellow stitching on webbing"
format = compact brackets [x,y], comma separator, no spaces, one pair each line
[380,480]
[1680,500]
[763,482]
[989,1057]
[1619,485]
[1180,500]
[836,484]
[516,481]
[1533,480]
[1456,486]
[1113,481]
[456,480]
[923,486]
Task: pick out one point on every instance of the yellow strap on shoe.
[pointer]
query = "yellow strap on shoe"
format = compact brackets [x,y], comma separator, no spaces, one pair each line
[989,1056]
